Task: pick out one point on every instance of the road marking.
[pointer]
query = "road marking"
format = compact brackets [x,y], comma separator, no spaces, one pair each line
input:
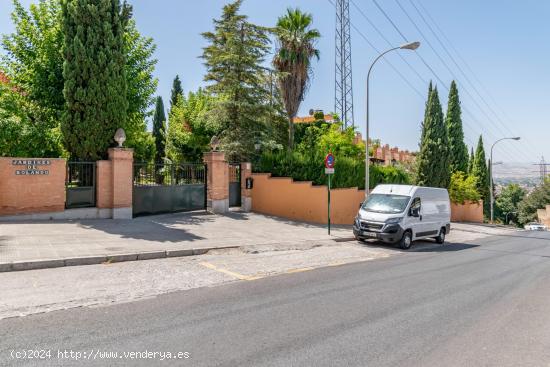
[229,272]
[298,270]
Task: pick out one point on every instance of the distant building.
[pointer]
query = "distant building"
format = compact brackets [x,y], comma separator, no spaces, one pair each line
[386,155]
[310,119]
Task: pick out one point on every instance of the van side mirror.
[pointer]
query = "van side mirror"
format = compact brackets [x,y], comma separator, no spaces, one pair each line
[414,212]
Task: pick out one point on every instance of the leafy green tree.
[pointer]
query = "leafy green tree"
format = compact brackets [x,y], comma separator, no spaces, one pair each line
[480,171]
[458,152]
[236,48]
[506,204]
[296,47]
[176,92]
[141,87]
[159,130]
[463,188]
[189,128]
[94,73]
[33,60]
[433,158]
[537,199]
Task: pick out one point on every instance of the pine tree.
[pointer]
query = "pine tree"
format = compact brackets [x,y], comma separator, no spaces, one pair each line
[177,91]
[94,71]
[233,58]
[432,160]
[159,130]
[480,171]
[458,152]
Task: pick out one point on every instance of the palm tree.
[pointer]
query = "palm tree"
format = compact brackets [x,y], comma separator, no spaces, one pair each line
[292,60]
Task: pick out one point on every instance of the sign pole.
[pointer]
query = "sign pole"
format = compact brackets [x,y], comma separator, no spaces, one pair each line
[329,171]
[329,204]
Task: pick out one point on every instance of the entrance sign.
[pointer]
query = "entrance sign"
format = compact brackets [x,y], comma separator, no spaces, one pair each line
[31,166]
[329,171]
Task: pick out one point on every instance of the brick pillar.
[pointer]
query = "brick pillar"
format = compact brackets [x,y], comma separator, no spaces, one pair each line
[122,169]
[246,195]
[217,182]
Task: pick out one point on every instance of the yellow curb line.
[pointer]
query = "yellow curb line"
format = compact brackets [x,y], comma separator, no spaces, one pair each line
[229,272]
[291,271]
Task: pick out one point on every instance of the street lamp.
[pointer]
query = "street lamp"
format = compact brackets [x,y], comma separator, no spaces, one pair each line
[407,46]
[491,175]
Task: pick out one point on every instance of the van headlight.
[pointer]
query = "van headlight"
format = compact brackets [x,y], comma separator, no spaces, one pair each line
[394,220]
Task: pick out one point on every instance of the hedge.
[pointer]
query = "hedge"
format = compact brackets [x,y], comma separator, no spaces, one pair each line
[349,172]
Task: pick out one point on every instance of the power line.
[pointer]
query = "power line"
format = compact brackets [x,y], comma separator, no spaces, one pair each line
[446,66]
[425,11]
[426,64]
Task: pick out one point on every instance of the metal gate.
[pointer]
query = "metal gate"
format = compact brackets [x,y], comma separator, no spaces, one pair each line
[80,185]
[234,184]
[166,188]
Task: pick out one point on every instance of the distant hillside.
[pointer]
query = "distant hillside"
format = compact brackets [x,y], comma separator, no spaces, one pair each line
[521,173]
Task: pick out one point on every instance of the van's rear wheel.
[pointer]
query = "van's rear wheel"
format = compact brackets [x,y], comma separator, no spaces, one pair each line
[441,238]
[406,240]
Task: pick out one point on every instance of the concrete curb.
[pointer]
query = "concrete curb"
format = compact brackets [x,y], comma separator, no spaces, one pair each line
[102,259]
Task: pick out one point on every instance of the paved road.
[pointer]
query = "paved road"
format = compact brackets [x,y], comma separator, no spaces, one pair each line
[480,304]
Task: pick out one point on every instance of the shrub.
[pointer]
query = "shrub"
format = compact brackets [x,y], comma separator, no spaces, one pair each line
[463,188]
[349,172]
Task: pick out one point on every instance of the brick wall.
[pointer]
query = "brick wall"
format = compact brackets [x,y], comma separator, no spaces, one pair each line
[32,193]
[467,212]
[282,197]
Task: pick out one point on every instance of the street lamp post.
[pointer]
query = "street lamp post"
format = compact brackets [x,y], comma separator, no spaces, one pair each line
[407,46]
[491,175]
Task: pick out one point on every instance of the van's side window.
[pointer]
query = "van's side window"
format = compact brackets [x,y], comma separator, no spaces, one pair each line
[416,204]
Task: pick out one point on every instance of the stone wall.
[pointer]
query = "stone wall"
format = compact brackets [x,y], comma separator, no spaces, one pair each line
[32,185]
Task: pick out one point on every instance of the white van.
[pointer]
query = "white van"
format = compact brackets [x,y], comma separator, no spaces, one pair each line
[403,213]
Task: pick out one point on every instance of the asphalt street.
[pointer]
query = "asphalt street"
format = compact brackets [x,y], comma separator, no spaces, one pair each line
[482,303]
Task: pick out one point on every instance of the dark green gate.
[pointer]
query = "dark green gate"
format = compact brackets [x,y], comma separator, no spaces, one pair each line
[168,188]
[80,185]
[234,184]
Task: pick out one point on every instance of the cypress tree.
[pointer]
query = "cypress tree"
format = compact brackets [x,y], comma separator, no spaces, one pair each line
[471,161]
[159,130]
[458,152]
[94,72]
[177,91]
[480,171]
[432,165]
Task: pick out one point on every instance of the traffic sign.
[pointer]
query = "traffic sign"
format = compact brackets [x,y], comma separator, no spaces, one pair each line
[329,171]
[329,161]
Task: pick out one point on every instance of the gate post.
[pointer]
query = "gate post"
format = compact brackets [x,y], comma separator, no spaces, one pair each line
[217,182]
[246,194]
[122,160]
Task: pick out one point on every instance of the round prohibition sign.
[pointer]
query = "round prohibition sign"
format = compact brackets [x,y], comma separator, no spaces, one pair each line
[329,161]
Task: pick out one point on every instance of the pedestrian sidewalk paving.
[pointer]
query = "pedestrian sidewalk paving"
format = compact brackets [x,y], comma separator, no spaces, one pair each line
[42,244]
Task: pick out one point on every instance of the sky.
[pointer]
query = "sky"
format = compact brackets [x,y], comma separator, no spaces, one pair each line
[498,52]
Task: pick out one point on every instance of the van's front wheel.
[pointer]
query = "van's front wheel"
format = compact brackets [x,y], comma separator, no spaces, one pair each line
[441,238]
[406,241]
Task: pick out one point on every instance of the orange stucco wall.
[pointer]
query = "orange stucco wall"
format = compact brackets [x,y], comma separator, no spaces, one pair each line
[467,212]
[282,197]
[544,215]
[32,193]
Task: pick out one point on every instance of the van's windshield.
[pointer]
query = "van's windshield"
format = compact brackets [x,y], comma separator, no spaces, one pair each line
[386,203]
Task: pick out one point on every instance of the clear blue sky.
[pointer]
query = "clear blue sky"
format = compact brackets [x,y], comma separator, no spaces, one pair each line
[505,44]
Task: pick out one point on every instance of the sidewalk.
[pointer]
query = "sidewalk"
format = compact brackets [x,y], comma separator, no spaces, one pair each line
[45,244]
